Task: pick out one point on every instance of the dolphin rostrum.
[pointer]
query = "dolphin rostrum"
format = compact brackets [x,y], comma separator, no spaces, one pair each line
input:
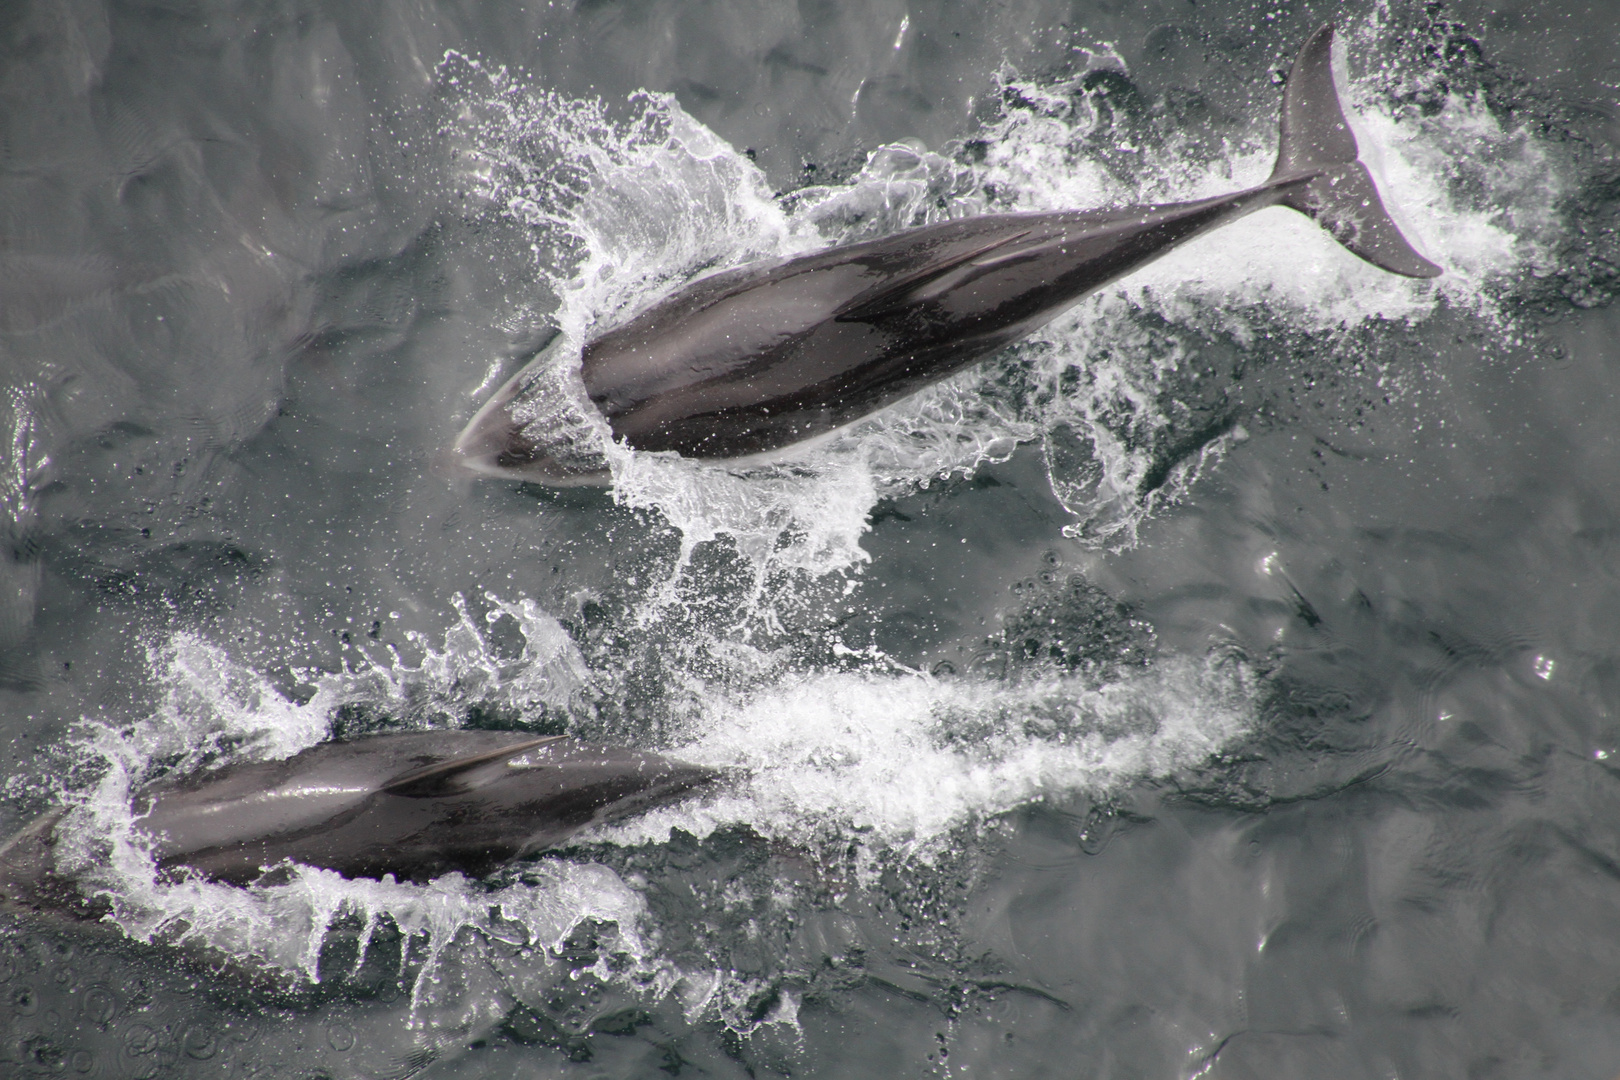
[414,805]
[750,360]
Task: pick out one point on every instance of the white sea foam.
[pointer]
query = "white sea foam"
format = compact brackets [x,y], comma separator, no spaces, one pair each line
[903,760]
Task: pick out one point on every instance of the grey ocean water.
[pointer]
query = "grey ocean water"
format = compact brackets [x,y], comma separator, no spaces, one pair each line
[1221,683]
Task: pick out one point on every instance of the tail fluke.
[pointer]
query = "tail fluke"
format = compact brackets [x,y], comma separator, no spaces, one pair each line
[1320,173]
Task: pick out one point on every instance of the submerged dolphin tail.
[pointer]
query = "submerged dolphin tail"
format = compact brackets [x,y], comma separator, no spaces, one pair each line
[1320,173]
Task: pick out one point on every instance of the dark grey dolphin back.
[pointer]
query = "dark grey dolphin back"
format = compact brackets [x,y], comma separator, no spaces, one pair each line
[1317,146]
[415,805]
[757,358]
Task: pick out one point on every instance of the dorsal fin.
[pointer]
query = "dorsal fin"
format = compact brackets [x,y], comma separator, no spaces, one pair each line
[897,293]
[459,775]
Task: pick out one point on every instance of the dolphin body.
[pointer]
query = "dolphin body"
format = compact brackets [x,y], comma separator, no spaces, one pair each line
[415,805]
[748,361]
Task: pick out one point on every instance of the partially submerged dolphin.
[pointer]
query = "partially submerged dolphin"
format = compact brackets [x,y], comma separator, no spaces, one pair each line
[750,360]
[413,805]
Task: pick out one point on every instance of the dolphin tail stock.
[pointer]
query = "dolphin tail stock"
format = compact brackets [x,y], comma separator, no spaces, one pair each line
[1319,171]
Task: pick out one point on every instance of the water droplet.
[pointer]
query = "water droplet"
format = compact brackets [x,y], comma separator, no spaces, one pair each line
[139,1039]
[198,1042]
[99,1005]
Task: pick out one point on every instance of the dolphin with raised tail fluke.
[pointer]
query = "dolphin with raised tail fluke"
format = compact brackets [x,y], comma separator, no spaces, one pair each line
[751,360]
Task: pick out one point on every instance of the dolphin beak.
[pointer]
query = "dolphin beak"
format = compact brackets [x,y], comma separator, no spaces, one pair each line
[492,443]
[496,443]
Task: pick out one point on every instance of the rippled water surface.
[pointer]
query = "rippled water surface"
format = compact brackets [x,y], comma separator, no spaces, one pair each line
[1221,682]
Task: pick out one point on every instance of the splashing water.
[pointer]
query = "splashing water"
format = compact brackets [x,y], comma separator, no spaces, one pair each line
[214,711]
[624,206]
[23,464]
[902,762]
[625,211]
[899,761]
